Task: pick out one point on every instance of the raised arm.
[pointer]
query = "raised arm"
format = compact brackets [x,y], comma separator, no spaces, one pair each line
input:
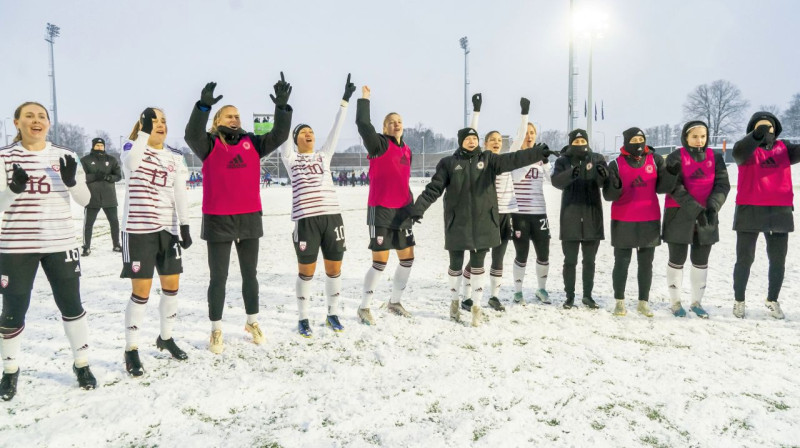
[270,141]
[504,163]
[744,148]
[477,100]
[199,141]
[375,144]
[79,191]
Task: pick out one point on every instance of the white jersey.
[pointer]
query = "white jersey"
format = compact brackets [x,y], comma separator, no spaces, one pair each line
[313,192]
[528,184]
[155,199]
[39,220]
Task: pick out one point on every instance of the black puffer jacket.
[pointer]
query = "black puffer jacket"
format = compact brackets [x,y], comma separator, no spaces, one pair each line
[467,180]
[581,205]
[680,223]
[102,172]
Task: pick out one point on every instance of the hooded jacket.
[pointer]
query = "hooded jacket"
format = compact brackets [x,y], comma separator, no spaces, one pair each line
[99,165]
[467,180]
[753,218]
[581,205]
[680,223]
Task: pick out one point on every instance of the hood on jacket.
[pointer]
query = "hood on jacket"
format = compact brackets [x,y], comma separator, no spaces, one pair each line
[689,126]
[764,115]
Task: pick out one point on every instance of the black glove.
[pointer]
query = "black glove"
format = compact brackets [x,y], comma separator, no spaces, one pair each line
[576,172]
[547,152]
[109,178]
[207,95]
[477,100]
[186,237]
[525,105]
[712,217]
[673,165]
[349,88]
[416,217]
[602,172]
[19,179]
[760,132]
[702,219]
[282,91]
[147,117]
[69,167]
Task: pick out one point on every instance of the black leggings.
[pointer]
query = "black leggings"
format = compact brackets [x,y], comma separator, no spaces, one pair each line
[678,253]
[777,246]
[541,246]
[498,253]
[476,259]
[622,260]
[66,292]
[219,258]
[90,215]
[589,249]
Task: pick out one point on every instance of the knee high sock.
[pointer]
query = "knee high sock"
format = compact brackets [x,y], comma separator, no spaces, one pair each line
[400,279]
[466,284]
[168,311]
[478,280]
[454,281]
[698,278]
[303,288]
[9,349]
[519,275]
[134,315]
[333,288]
[542,269]
[674,283]
[77,332]
[495,278]
[371,282]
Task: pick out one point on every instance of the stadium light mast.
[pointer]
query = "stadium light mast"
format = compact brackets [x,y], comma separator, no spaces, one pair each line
[571,73]
[53,31]
[465,46]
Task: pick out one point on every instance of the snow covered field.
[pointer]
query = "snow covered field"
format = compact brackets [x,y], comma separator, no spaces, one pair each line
[536,375]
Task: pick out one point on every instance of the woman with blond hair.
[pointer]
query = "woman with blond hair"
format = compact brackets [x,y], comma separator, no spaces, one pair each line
[232,197]
[37,180]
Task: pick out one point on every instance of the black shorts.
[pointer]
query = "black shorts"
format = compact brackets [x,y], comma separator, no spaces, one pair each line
[506,230]
[142,253]
[17,271]
[530,227]
[325,232]
[382,238]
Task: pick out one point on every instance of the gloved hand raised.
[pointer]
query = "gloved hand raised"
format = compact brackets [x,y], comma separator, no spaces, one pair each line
[19,179]
[282,91]
[477,100]
[349,88]
[69,167]
[525,105]
[760,132]
[146,120]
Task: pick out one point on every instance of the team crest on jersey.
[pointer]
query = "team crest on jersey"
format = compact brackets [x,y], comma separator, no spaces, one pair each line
[708,164]
[649,169]
[106,163]
[4,281]
[379,240]
[171,168]
[480,165]
[302,245]
[56,168]
[589,166]
[246,145]
[136,266]
[518,233]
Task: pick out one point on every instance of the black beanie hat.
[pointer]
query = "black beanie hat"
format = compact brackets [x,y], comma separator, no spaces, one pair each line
[464,133]
[297,130]
[578,133]
[629,133]
[98,140]
[763,115]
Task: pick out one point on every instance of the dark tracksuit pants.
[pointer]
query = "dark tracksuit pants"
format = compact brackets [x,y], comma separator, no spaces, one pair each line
[219,258]
[90,215]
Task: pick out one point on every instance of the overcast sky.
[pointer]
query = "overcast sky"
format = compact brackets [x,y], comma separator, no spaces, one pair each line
[115,58]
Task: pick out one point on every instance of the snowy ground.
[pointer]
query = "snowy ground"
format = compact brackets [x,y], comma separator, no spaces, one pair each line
[534,376]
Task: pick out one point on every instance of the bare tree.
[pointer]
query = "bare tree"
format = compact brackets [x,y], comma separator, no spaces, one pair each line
[71,136]
[110,148]
[774,109]
[720,104]
[553,138]
[791,118]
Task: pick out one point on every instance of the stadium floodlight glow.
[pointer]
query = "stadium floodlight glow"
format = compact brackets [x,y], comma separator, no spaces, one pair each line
[590,23]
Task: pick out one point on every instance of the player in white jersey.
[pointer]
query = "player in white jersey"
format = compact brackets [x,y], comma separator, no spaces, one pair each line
[316,213]
[155,229]
[530,221]
[37,180]
[507,204]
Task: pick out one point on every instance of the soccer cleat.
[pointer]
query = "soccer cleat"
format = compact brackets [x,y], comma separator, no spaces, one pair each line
[304,328]
[543,296]
[117,248]
[8,385]
[619,308]
[455,311]
[397,308]
[365,316]
[738,309]
[476,315]
[255,330]
[333,323]
[171,347]
[466,305]
[678,311]
[698,309]
[494,303]
[86,252]
[569,303]
[644,308]
[132,363]
[215,345]
[518,298]
[86,380]
[775,310]
[589,302]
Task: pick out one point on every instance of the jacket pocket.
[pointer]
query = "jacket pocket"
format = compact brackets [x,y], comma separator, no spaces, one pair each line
[451,218]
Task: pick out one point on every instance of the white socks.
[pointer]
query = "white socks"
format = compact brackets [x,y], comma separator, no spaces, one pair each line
[371,282]
[478,280]
[168,310]
[454,281]
[217,325]
[134,315]
[674,283]
[542,269]
[519,275]
[9,350]
[77,332]
[698,278]
[466,285]
[494,284]
[303,287]
[400,279]
[333,288]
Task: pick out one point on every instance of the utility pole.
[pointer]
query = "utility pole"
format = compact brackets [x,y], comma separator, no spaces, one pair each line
[52,32]
[465,46]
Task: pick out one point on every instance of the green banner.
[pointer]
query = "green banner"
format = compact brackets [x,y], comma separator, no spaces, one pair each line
[262,123]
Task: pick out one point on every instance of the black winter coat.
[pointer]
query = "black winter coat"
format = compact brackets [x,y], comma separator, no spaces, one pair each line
[581,205]
[754,218]
[629,235]
[467,180]
[102,172]
[680,223]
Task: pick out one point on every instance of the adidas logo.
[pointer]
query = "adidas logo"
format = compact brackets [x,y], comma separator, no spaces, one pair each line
[237,162]
[698,174]
[769,163]
[458,167]
[638,182]
[84,347]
